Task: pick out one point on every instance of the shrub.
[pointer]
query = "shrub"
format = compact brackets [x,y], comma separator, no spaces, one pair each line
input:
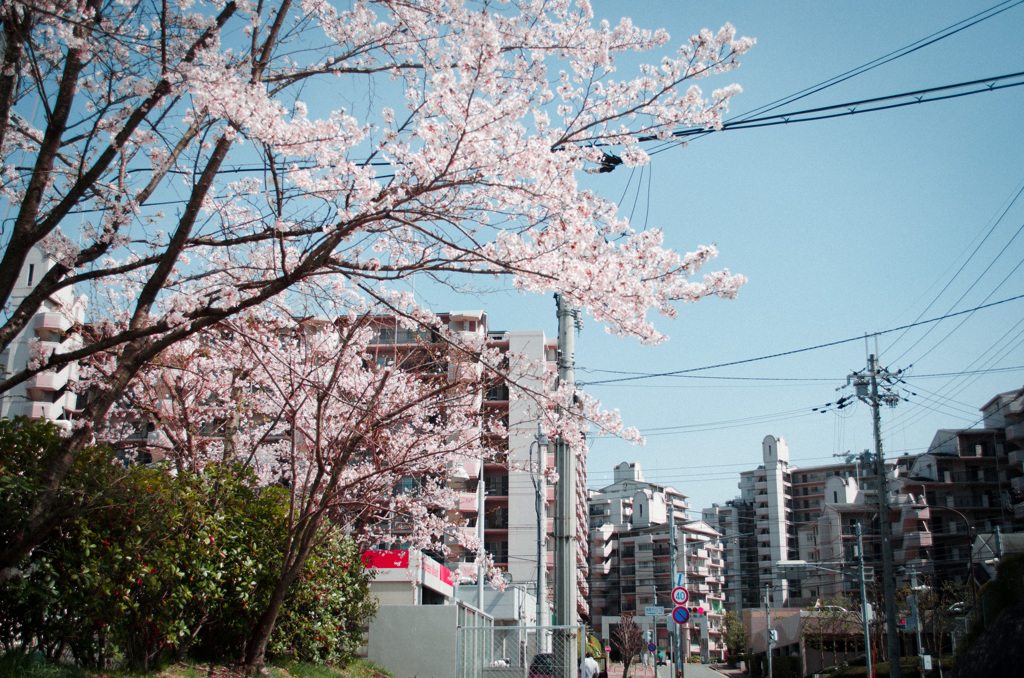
[148,564]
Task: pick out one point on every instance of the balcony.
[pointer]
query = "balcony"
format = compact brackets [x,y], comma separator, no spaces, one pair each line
[917,539]
[1018,510]
[49,381]
[50,411]
[1015,432]
[52,322]
[1017,484]
[1017,456]
[467,502]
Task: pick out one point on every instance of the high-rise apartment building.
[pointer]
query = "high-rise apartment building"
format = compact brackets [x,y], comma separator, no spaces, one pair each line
[970,482]
[515,498]
[777,517]
[631,561]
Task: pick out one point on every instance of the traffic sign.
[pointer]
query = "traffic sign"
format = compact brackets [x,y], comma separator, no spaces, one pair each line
[651,647]
[680,615]
[654,610]
[607,648]
[680,579]
[680,595]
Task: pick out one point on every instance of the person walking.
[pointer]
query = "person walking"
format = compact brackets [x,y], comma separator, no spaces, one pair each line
[589,667]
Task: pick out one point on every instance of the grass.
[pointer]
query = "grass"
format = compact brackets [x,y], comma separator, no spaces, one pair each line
[17,665]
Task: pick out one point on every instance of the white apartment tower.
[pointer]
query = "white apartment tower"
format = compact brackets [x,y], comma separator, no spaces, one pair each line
[507,488]
[54,328]
[631,561]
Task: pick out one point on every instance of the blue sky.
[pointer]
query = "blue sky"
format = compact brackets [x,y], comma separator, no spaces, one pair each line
[844,227]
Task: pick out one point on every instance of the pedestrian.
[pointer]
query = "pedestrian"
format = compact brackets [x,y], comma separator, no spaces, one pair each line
[589,667]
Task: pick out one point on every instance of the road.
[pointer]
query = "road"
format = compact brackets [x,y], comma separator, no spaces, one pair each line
[641,671]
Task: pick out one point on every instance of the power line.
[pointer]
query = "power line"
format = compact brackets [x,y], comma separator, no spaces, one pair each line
[815,380]
[863,105]
[800,350]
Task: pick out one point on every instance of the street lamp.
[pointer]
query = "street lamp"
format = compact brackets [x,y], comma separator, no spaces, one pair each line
[768,588]
[536,475]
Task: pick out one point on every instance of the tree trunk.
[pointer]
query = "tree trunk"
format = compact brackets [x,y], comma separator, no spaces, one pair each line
[256,647]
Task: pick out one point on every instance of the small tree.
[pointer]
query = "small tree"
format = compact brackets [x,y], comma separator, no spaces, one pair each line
[628,640]
[829,624]
[737,638]
[938,608]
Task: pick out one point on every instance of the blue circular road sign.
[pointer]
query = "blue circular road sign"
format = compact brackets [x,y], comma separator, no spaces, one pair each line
[681,615]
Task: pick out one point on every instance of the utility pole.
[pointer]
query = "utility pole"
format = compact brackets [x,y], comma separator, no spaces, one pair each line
[768,625]
[537,475]
[862,382]
[565,501]
[677,659]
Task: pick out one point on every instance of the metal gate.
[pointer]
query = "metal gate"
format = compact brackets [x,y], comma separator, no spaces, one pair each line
[516,651]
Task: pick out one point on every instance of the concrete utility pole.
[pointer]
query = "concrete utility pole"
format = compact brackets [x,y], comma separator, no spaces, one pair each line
[565,501]
[862,382]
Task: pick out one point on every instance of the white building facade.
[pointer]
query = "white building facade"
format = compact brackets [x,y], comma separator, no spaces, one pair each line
[54,328]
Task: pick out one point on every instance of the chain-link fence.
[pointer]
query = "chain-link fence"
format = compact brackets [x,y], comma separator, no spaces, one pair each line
[518,651]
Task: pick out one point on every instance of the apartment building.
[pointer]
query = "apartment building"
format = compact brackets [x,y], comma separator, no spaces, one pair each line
[787,512]
[734,520]
[968,483]
[54,328]
[631,561]
[513,497]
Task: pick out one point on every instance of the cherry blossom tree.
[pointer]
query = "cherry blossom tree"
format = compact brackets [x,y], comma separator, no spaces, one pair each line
[306,406]
[187,163]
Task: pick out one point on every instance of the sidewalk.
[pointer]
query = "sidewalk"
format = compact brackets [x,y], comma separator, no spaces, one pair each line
[665,671]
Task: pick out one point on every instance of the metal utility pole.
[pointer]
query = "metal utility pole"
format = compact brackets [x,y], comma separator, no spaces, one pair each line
[862,381]
[566,501]
[481,509]
[864,601]
[537,475]
[677,658]
[768,626]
